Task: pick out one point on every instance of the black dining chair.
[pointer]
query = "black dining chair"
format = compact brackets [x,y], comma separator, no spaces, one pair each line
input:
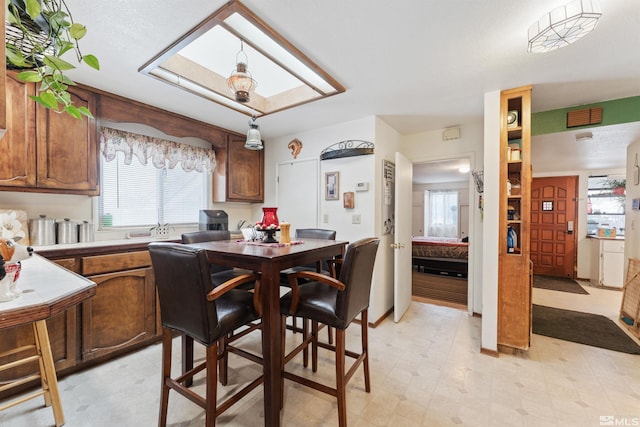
[335,303]
[320,266]
[191,304]
[219,274]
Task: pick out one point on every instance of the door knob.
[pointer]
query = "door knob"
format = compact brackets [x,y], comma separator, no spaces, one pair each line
[397,245]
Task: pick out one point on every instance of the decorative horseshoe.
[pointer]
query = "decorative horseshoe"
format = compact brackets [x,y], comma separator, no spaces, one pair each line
[295,146]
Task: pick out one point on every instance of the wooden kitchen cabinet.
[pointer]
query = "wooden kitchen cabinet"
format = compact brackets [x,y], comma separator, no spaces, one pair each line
[122,313]
[47,151]
[244,172]
[18,165]
[122,316]
[514,264]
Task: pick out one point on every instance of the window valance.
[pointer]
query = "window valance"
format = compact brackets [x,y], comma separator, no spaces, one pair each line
[161,152]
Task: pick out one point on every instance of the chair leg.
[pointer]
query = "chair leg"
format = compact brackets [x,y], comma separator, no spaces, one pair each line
[365,349]
[166,375]
[223,361]
[340,378]
[283,331]
[305,335]
[314,346]
[212,385]
[187,357]
[329,335]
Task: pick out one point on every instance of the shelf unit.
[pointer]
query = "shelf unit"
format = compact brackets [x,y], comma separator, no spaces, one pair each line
[514,266]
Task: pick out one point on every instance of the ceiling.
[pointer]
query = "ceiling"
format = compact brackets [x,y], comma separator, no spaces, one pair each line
[418,64]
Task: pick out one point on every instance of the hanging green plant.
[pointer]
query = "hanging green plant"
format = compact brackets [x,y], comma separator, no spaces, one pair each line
[38,34]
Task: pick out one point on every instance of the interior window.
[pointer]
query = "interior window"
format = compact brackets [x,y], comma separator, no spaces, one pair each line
[605,203]
[441,213]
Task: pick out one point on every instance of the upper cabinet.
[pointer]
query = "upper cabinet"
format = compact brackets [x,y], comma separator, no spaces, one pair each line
[46,151]
[514,265]
[244,172]
[239,173]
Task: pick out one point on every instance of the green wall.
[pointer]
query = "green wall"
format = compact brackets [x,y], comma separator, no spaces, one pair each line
[616,111]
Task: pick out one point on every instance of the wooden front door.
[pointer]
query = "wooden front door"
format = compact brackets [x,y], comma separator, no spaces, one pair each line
[553,214]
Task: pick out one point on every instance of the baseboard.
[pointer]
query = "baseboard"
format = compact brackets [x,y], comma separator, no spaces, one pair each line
[381,319]
[486,351]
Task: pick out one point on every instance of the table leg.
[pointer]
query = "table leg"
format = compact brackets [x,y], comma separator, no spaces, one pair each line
[49,371]
[271,343]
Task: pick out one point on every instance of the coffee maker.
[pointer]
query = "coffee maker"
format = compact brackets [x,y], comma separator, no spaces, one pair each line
[213,220]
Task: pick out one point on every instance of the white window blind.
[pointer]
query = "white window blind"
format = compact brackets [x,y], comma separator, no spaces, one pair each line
[136,192]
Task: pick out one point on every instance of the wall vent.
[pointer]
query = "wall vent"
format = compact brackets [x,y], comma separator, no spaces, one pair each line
[586,116]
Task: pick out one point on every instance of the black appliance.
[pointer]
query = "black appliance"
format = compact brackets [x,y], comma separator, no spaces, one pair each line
[214,220]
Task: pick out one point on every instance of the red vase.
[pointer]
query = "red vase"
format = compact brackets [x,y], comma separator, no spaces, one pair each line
[270,217]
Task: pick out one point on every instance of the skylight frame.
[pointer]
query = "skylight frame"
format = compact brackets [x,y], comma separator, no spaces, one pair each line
[172,68]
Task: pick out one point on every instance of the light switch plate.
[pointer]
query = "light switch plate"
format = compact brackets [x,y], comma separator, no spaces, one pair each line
[355,219]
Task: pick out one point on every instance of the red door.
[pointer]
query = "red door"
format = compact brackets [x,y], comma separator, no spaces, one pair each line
[554,226]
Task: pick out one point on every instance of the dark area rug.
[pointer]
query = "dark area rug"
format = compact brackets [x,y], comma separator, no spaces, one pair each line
[583,328]
[558,284]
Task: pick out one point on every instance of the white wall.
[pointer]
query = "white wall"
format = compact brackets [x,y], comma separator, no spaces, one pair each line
[489,335]
[429,146]
[632,218]
[351,170]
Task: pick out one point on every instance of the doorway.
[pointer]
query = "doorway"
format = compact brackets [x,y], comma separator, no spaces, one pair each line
[440,247]
[554,226]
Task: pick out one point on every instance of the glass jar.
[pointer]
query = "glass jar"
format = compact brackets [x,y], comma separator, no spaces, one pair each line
[269,217]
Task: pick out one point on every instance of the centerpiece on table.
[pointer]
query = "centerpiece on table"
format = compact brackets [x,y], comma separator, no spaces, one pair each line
[269,224]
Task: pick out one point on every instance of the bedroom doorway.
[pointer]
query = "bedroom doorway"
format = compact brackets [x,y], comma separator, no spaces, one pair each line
[440,223]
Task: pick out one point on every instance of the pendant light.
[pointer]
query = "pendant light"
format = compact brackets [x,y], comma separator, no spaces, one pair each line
[240,82]
[254,141]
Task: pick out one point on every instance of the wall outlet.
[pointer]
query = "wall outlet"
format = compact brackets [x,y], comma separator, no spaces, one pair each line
[325,218]
[355,219]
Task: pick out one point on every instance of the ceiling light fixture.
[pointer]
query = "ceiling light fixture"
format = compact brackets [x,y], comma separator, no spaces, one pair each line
[464,169]
[240,82]
[254,141]
[564,25]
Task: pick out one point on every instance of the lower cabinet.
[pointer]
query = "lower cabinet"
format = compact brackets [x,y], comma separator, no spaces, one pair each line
[123,315]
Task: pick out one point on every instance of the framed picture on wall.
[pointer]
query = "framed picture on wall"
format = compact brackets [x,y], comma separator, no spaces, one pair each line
[331,186]
[348,200]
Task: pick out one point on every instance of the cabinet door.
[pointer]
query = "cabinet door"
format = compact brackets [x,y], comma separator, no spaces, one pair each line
[245,172]
[64,346]
[66,148]
[122,313]
[18,165]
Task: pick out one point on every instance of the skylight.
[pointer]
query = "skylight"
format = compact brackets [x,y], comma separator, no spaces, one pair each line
[201,61]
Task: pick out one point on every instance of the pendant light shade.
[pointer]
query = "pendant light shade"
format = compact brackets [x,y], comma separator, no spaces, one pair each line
[254,141]
[240,82]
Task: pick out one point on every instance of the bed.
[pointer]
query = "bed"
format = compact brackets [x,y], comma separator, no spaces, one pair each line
[440,255]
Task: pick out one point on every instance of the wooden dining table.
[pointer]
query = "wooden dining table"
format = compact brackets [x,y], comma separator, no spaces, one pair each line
[269,260]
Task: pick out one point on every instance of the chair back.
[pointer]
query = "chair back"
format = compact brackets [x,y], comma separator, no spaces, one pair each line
[316,233]
[356,273]
[208,236]
[183,280]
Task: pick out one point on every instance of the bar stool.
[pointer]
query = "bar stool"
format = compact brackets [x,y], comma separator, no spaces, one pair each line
[335,303]
[191,304]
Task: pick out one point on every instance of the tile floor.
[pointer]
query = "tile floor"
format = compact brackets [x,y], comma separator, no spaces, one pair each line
[426,371]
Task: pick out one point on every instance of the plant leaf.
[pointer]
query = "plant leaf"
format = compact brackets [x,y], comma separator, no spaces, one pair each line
[91,61]
[33,8]
[47,100]
[63,46]
[85,111]
[73,111]
[77,31]
[29,76]
[57,63]
[15,58]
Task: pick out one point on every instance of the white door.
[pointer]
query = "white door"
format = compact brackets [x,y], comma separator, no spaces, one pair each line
[402,237]
[298,180]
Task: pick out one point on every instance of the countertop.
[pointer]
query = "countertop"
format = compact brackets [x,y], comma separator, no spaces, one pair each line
[605,238]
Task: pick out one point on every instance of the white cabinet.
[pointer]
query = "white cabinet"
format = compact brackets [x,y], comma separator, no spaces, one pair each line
[607,262]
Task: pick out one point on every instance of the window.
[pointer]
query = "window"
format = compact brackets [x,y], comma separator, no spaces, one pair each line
[148,181]
[605,203]
[441,213]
